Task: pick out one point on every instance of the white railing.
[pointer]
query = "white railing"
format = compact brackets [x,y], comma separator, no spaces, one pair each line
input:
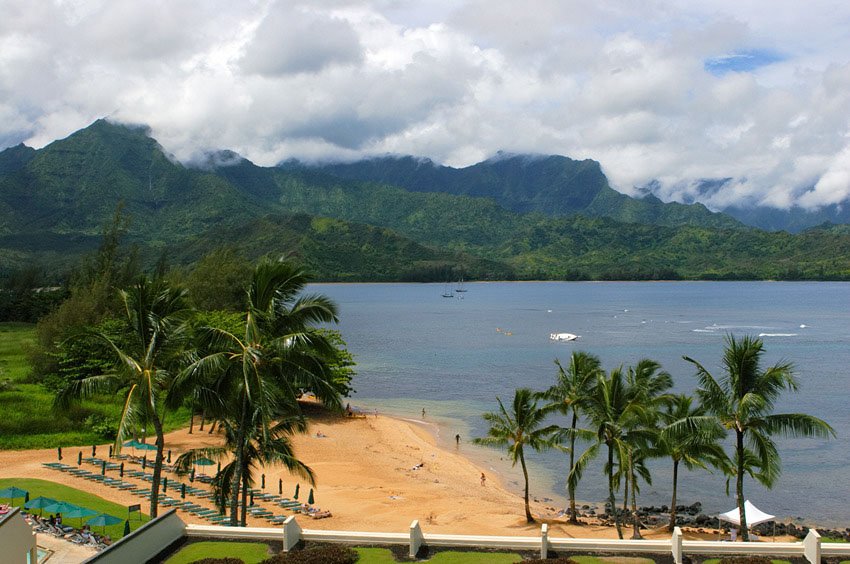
[291,534]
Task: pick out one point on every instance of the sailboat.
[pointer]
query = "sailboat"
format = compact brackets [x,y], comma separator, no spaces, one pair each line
[460,289]
[447,293]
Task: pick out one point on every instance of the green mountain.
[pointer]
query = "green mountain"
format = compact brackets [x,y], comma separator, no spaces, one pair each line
[55,201]
[552,185]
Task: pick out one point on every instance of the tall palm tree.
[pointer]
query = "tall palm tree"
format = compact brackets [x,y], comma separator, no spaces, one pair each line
[648,385]
[689,437]
[743,399]
[156,315]
[259,374]
[570,391]
[517,429]
[613,413]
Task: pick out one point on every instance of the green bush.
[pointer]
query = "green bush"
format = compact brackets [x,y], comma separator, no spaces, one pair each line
[316,555]
[103,426]
[745,560]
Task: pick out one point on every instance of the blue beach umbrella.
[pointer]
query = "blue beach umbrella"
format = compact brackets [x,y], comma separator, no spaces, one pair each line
[203,461]
[310,499]
[280,486]
[39,502]
[297,488]
[61,507]
[80,513]
[13,493]
[146,446]
[103,520]
[126,528]
[132,443]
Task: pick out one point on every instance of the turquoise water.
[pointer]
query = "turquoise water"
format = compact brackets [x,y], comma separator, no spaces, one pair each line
[453,357]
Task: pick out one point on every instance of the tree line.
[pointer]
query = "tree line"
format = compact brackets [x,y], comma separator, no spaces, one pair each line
[628,416]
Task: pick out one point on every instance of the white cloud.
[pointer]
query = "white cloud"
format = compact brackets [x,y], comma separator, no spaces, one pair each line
[622,83]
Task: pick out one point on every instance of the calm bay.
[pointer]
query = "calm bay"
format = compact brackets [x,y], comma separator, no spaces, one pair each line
[453,356]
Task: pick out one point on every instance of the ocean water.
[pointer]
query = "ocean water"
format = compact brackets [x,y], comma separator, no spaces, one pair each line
[455,356]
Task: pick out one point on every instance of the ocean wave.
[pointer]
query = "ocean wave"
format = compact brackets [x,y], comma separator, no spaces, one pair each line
[777,334]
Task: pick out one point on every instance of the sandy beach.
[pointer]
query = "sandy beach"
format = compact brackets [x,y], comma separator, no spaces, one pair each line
[373,474]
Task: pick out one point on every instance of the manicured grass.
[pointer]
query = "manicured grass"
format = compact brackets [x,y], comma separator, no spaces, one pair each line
[253,553]
[249,552]
[61,492]
[28,422]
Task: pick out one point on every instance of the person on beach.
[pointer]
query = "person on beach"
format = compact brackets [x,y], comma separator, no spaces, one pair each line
[483,479]
[457,439]
[423,413]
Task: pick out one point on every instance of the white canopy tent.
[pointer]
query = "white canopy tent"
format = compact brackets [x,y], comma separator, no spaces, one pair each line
[753,513]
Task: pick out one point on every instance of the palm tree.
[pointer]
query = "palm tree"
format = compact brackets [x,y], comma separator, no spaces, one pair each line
[156,315]
[571,389]
[263,448]
[648,385]
[613,412]
[742,399]
[253,379]
[517,429]
[689,437]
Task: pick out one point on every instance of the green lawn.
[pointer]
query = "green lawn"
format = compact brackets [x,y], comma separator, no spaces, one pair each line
[252,553]
[28,421]
[61,492]
[249,552]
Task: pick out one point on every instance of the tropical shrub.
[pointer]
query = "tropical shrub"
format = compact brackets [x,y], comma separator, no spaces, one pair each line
[316,555]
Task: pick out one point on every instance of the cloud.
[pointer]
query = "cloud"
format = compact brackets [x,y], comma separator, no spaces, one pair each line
[293,40]
[749,99]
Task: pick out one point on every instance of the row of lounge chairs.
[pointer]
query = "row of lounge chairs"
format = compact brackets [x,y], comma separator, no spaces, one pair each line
[212,515]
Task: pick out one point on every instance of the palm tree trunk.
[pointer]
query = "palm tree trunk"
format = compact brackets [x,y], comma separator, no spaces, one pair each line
[672,524]
[611,498]
[237,472]
[157,465]
[528,517]
[244,499]
[570,486]
[203,415]
[191,419]
[635,518]
[739,485]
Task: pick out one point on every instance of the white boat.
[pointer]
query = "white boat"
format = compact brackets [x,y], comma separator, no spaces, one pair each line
[562,337]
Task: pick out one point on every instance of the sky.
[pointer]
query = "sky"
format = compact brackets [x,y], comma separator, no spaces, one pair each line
[753,96]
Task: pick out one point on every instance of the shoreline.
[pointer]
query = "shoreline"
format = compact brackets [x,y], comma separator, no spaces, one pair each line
[375,474]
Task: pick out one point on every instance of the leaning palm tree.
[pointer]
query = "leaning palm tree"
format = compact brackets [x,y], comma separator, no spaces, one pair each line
[156,315]
[260,373]
[689,437]
[570,391]
[742,399]
[517,429]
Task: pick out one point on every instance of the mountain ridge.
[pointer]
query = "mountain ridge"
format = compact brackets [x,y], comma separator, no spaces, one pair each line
[54,202]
